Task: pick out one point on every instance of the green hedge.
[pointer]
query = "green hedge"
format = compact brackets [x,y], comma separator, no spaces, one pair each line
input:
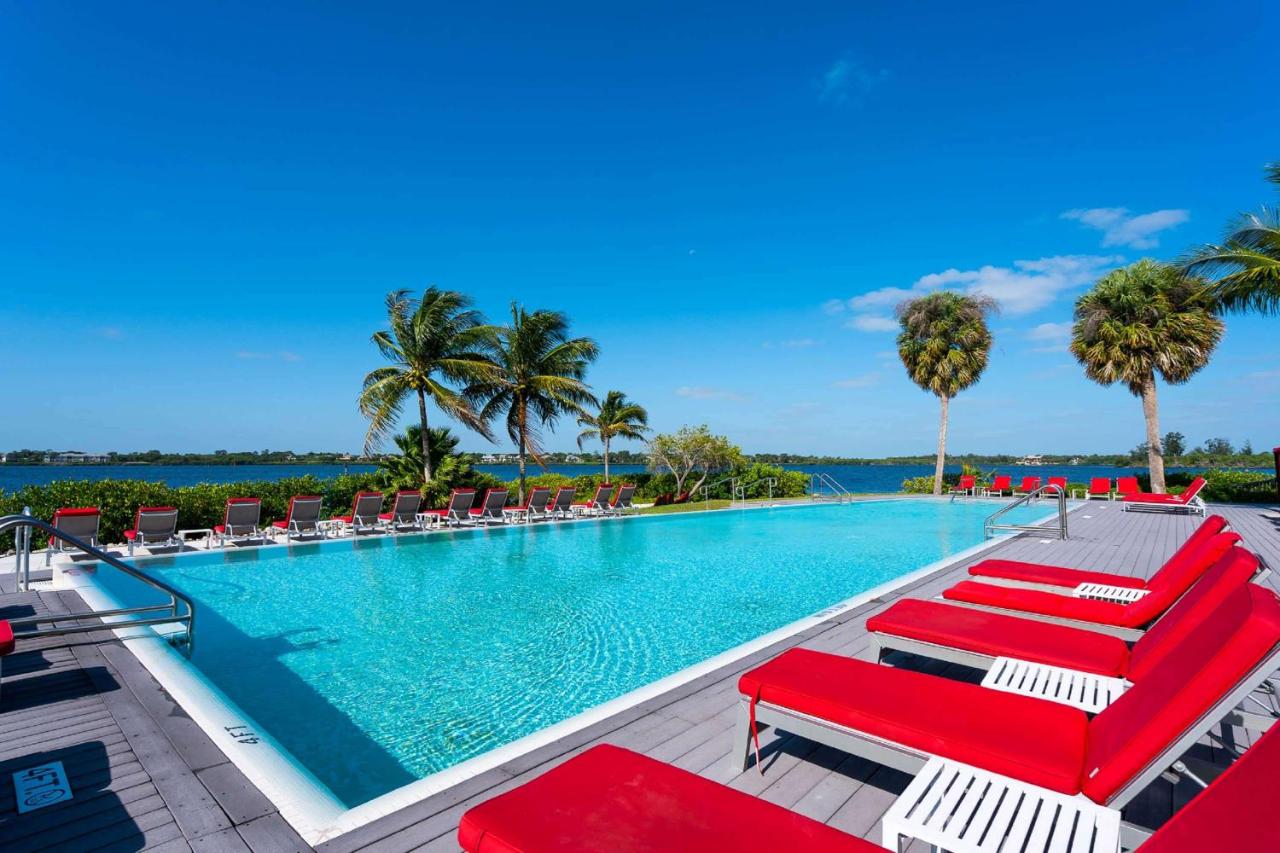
[1224,485]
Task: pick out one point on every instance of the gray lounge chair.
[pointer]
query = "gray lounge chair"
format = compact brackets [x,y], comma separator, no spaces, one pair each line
[562,505]
[599,502]
[535,505]
[80,522]
[303,518]
[241,521]
[404,512]
[490,510]
[459,509]
[365,512]
[154,526]
[621,502]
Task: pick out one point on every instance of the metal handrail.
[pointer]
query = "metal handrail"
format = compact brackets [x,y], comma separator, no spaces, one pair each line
[993,524]
[818,478]
[22,525]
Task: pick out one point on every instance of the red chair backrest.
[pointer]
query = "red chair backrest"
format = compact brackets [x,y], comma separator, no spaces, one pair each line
[1060,482]
[1030,484]
[1100,486]
[1192,490]
[967,481]
[1127,485]
[1209,528]
[1002,482]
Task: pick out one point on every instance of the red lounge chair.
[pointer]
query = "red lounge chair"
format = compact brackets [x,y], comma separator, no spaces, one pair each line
[240,521]
[1028,485]
[366,512]
[78,521]
[612,800]
[615,800]
[967,486]
[1125,620]
[1061,580]
[621,502]
[303,517]
[534,506]
[7,643]
[153,526]
[490,509]
[404,511]
[1127,486]
[1099,487]
[901,718]
[1060,482]
[1188,500]
[1000,484]
[976,637]
[459,509]
[598,504]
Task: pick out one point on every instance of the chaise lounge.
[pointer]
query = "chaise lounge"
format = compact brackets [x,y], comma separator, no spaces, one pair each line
[366,513]
[1188,500]
[303,517]
[81,522]
[154,526]
[404,512]
[240,520]
[457,512]
[534,506]
[491,508]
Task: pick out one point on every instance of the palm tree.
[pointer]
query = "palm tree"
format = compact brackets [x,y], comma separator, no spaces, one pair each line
[944,344]
[617,417]
[433,343]
[1246,267]
[1140,320]
[404,470]
[538,377]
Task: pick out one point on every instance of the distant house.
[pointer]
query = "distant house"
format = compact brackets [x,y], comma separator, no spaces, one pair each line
[74,457]
[1031,459]
[570,459]
[489,459]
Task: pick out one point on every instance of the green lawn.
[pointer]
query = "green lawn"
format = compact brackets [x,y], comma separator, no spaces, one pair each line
[691,506]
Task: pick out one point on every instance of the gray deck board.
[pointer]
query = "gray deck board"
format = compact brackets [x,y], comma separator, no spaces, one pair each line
[146,777]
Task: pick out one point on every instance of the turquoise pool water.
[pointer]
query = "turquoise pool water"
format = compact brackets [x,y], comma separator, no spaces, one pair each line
[380,661]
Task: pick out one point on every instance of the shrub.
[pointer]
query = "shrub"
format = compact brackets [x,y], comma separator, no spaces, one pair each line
[924,485]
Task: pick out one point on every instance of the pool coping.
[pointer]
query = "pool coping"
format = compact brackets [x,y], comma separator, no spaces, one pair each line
[307,804]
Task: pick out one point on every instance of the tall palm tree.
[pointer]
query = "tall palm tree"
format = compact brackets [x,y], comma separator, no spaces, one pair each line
[617,417]
[434,343]
[1246,267]
[944,344]
[537,377]
[1140,320]
[405,469]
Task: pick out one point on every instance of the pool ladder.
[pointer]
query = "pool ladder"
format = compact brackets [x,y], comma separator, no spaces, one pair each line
[180,608]
[819,481]
[994,525]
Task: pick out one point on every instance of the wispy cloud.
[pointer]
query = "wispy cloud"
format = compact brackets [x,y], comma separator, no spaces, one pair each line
[848,80]
[1021,288]
[866,380]
[111,333]
[1051,337]
[794,343]
[1120,228]
[250,355]
[701,392]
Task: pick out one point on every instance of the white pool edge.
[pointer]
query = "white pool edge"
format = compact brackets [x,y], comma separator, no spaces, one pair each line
[312,809]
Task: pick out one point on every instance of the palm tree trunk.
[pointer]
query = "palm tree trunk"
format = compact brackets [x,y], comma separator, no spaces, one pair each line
[942,448]
[1155,454]
[426,452]
[521,421]
[605,441]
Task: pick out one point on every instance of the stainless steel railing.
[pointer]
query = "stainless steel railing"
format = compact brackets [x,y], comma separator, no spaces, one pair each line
[993,524]
[180,608]
[819,481]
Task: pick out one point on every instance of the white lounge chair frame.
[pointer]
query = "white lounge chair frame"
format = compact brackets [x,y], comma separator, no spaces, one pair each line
[562,505]
[309,525]
[491,511]
[165,539]
[231,529]
[404,518]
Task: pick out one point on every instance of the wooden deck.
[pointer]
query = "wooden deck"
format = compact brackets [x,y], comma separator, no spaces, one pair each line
[146,777]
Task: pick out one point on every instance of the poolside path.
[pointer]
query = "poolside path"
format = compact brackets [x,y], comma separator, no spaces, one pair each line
[146,777]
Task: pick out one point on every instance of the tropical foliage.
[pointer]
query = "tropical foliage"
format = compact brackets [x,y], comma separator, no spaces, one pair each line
[450,469]
[1245,268]
[616,417]
[944,344]
[434,344]
[538,375]
[1142,320]
[692,452]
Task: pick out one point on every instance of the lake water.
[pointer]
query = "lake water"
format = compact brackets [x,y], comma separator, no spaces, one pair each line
[857,478]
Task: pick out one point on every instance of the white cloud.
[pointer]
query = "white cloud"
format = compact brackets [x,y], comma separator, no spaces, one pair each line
[866,380]
[1119,228]
[111,333]
[699,392]
[848,79]
[1051,337]
[290,356]
[250,355]
[1022,288]
[833,307]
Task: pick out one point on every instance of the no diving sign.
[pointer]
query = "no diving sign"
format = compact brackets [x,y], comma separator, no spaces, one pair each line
[37,787]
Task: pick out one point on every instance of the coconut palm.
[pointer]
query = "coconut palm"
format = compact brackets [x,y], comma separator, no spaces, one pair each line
[404,470]
[1140,320]
[617,417]
[537,377]
[434,343]
[944,344]
[1246,267]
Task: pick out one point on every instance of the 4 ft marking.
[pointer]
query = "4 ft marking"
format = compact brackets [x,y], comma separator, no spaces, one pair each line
[243,734]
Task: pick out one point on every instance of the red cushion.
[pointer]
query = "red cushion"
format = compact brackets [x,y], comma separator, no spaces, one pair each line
[281,524]
[612,800]
[998,635]
[1233,569]
[6,638]
[1188,562]
[1030,739]
[1055,575]
[1181,688]
[1234,813]
[131,535]
[1043,603]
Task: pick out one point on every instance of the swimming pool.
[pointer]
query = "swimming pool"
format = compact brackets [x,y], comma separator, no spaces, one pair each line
[378,662]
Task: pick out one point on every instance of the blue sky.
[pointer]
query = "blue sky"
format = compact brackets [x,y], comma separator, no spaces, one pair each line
[204,206]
